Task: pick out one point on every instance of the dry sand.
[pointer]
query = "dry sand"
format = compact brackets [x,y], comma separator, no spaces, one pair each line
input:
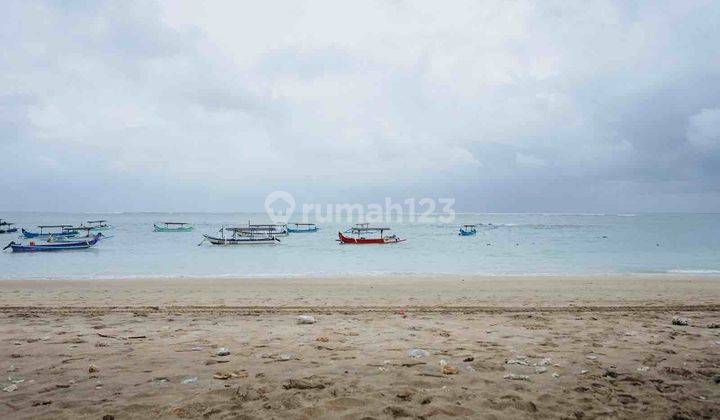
[497,347]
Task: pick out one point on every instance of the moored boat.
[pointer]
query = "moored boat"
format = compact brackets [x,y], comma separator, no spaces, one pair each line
[241,236]
[302,227]
[7,227]
[47,231]
[359,236]
[467,230]
[53,247]
[173,227]
[95,225]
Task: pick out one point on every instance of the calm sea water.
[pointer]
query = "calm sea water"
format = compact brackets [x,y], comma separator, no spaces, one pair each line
[530,244]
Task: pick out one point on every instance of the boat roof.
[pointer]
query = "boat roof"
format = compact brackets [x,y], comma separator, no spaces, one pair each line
[173,223]
[469,225]
[97,221]
[88,228]
[54,226]
[369,229]
[302,224]
[253,228]
[268,225]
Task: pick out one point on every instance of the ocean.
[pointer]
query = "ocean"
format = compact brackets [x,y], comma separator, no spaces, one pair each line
[516,244]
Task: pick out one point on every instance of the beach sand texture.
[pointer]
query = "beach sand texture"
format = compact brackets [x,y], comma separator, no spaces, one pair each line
[490,347]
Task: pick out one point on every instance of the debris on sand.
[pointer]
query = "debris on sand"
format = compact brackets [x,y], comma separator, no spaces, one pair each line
[713,325]
[92,369]
[302,384]
[418,353]
[678,320]
[222,351]
[515,377]
[322,339]
[189,381]
[517,362]
[306,319]
[450,370]
[10,388]
[227,375]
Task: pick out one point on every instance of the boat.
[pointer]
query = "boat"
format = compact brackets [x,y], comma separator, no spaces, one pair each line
[173,227]
[44,234]
[467,230]
[54,247]
[7,227]
[302,227]
[241,236]
[94,225]
[87,236]
[274,230]
[359,238]
[357,226]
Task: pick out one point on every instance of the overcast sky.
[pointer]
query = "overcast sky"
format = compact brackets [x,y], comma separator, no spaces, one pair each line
[512,106]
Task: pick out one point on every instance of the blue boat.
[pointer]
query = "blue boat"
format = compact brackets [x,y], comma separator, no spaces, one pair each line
[302,227]
[467,230]
[64,230]
[54,247]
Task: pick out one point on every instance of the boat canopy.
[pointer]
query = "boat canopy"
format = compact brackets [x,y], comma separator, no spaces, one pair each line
[87,228]
[469,226]
[97,221]
[172,223]
[367,228]
[54,226]
[302,224]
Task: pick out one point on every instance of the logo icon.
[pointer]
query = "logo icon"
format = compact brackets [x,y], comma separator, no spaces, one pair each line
[279,206]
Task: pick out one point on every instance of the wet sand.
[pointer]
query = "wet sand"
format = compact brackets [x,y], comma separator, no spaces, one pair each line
[490,347]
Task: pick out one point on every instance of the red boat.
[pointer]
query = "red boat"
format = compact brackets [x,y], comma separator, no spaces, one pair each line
[359,238]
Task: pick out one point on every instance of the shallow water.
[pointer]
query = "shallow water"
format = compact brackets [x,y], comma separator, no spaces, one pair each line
[532,244]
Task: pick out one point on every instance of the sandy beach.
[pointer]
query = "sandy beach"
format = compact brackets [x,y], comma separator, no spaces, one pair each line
[381,347]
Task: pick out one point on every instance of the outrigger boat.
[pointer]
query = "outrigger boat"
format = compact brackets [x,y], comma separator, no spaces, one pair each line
[273,230]
[359,232]
[64,239]
[52,247]
[7,227]
[242,236]
[173,227]
[94,225]
[467,230]
[302,227]
[44,234]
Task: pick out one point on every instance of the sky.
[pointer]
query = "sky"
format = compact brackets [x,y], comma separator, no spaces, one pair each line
[505,106]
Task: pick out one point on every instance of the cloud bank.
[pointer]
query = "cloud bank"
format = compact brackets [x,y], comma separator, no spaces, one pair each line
[506,106]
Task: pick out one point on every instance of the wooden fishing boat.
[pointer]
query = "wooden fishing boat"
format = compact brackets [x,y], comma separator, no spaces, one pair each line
[95,225]
[359,234]
[54,247]
[86,236]
[173,227]
[467,230]
[47,231]
[241,236]
[273,230]
[7,227]
[302,227]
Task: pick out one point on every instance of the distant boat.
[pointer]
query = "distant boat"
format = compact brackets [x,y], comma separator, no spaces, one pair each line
[242,236]
[7,227]
[467,230]
[95,225]
[87,236]
[53,247]
[274,230]
[62,230]
[359,232]
[302,227]
[173,227]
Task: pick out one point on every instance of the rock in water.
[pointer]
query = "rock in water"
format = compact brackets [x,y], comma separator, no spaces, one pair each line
[306,319]
[678,320]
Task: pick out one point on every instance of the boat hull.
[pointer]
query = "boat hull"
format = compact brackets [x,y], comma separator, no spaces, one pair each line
[467,232]
[55,247]
[241,241]
[157,228]
[11,230]
[368,241]
[28,234]
[291,230]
